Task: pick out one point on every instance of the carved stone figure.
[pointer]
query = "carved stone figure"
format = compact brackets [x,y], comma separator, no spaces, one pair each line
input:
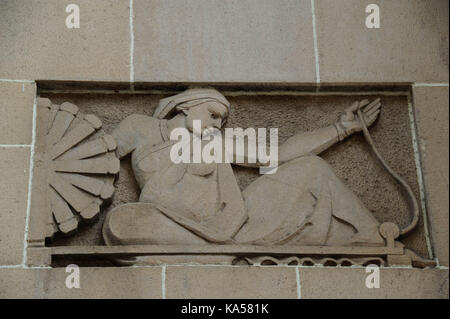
[303,203]
[195,212]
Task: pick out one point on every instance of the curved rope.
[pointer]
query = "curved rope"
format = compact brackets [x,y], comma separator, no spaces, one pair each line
[411,199]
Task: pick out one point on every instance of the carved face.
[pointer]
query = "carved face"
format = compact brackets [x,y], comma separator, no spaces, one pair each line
[211,115]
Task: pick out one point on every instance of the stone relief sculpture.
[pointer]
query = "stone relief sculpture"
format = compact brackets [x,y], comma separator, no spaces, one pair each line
[303,203]
[76,163]
[196,212]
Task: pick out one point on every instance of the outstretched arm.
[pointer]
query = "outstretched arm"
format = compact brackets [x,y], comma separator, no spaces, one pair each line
[314,142]
[317,141]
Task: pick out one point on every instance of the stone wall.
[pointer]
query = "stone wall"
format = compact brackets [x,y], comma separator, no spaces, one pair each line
[316,45]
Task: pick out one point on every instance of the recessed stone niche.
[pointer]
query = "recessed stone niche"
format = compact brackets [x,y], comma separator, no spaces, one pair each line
[290,112]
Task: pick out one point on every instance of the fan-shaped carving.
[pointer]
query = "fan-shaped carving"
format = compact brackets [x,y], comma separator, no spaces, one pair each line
[81,166]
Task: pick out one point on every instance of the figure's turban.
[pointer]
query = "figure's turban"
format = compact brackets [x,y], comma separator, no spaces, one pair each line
[188,99]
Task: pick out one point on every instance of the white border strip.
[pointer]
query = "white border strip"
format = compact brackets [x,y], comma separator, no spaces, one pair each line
[16,81]
[163,282]
[316,49]
[14,145]
[420,181]
[30,182]
[299,288]
[11,266]
[429,84]
[131,46]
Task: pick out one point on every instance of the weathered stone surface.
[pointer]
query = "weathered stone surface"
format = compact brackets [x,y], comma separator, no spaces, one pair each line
[432,109]
[394,283]
[16,112]
[18,283]
[36,44]
[94,283]
[410,45]
[230,282]
[14,166]
[223,282]
[178,203]
[351,160]
[221,41]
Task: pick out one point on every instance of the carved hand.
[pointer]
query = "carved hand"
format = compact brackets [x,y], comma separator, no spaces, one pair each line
[349,123]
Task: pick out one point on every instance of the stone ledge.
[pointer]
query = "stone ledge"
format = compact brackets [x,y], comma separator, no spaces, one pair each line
[230,282]
[224,282]
[398,283]
[94,283]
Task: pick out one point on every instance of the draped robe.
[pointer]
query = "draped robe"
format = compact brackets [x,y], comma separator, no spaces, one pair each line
[303,203]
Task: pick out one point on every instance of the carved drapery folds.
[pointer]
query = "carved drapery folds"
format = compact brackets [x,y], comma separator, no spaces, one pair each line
[312,219]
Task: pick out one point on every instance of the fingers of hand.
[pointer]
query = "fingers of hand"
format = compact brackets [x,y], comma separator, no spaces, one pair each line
[374,105]
[362,103]
[370,110]
[375,108]
[370,118]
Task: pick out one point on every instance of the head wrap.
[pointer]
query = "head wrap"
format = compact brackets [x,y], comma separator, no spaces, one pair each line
[188,99]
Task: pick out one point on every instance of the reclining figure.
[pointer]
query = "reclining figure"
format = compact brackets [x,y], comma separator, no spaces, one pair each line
[303,203]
